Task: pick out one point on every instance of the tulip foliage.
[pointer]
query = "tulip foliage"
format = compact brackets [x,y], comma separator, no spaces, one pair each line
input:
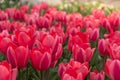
[43,43]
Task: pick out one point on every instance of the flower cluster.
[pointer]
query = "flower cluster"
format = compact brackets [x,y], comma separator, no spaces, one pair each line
[41,38]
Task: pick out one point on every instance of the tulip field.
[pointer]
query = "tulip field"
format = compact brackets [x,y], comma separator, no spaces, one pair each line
[44,42]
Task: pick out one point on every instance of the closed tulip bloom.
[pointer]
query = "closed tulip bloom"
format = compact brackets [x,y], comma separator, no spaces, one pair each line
[4,44]
[6,72]
[82,55]
[18,57]
[93,33]
[103,47]
[3,16]
[40,60]
[52,42]
[112,68]
[95,75]
[105,23]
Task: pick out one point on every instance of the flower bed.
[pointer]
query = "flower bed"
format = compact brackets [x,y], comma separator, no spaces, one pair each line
[43,43]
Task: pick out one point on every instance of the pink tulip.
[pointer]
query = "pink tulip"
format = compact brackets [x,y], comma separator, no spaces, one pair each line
[52,43]
[40,60]
[3,15]
[4,44]
[98,13]
[18,57]
[103,47]
[81,39]
[93,33]
[114,51]
[95,75]
[6,72]
[112,68]
[73,70]
[105,23]
[82,55]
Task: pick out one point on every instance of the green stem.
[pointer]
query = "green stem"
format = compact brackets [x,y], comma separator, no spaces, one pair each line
[42,75]
[27,72]
[47,74]
[20,75]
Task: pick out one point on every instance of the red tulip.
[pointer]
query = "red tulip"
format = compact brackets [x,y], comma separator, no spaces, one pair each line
[44,21]
[114,51]
[41,60]
[24,8]
[82,55]
[103,47]
[60,16]
[18,15]
[98,13]
[10,11]
[113,37]
[81,39]
[73,70]
[114,19]
[58,30]
[112,68]
[31,18]
[4,25]
[25,36]
[3,15]
[50,42]
[105,23]
[93,33]
[95,75]
[18,57]
[6,72]
[4,44]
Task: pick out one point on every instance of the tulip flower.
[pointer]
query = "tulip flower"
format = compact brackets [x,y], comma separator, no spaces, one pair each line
[114,51]
[6,72]
[41,60]
[103,47]
[58,30]
[52,42]
[18,56]
[73,70]
[3,15]
[25,36]
[10,11]
[98,13]
[105,23]
[114,20]
[95,75]
[4,44]
[93,33]
[81,39]
[112,68]
[113,37]
[44,21]
[82,55]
